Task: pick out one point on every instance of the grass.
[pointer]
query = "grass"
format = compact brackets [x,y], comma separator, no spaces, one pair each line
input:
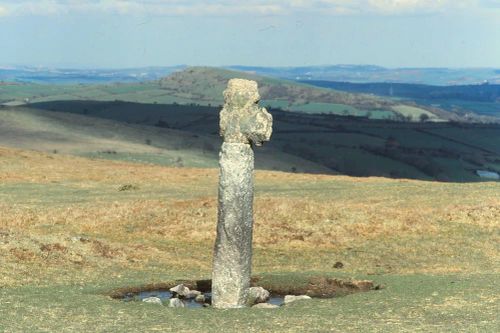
[451,309]
[433,245]
[414,113]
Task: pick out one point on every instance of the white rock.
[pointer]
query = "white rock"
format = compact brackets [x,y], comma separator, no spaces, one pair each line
[292,298]
[200,298]
[153,300]
[265,306]
[257,295]
[180,290]
[192,294]
[175,303]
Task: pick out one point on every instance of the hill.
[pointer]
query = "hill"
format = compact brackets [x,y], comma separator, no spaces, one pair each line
[68,133]
[203,85]
[43,75]
[334,144]
[159,122]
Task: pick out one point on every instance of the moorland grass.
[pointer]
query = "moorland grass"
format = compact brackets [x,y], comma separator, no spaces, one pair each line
[70,232]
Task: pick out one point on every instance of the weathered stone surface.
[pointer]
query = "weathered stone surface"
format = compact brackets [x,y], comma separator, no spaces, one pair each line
[242,123]
[241,119]
[265,306]
[175,303]
[153,300]
[292,298]
[180,290]
[233,245]
[257,295]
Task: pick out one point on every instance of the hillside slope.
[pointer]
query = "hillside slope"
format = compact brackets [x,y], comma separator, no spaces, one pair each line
[206,83]
[347,145]
[68,133]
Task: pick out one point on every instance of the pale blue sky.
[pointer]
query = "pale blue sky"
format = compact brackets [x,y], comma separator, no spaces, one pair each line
[129,33]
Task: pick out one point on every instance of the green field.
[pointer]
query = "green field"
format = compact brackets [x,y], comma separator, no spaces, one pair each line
[414,113]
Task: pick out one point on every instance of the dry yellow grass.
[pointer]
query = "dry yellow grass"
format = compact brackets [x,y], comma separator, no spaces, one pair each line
[165,222]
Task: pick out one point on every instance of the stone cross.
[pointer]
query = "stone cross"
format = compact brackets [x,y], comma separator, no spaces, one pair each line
[242,124]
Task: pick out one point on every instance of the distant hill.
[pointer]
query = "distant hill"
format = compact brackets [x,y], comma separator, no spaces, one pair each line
[372,74]
[483,99]
[472,93]
[344,73]
[204,86]
[83,76]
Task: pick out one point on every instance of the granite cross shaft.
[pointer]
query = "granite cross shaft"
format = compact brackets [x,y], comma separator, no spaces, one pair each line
[243,124]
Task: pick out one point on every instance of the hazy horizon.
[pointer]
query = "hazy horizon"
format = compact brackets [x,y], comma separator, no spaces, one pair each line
[76,67]
[112,34]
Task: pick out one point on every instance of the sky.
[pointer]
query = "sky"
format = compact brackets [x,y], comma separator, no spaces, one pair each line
[130,33]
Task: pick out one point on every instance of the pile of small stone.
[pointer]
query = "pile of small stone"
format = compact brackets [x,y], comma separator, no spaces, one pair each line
[183,292]
[257,297]
[179,293]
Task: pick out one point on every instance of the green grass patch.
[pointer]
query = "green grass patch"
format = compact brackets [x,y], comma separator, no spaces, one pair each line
[448,303]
